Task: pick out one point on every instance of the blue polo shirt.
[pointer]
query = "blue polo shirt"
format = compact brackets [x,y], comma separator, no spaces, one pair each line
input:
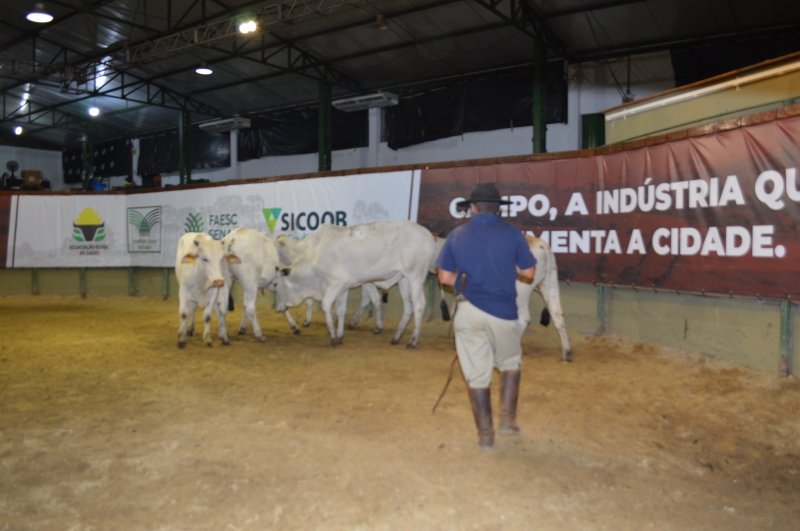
[488,250]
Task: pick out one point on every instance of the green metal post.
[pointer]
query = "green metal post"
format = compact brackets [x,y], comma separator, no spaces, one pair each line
[185,150]
[131,281]
[539,96]
[82,275]
[325,113]
[601,310]
[165,284]
[786,338]
[34,281]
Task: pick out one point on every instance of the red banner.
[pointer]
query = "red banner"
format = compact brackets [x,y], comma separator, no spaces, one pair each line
[717,213]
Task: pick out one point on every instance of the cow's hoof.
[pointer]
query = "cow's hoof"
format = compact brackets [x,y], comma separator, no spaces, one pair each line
[190,332]
[262,339]
[306,324]
[567,356]
[181,344]
[395,341]
[351,326]
[242,331]
[210,344]
[411,345]
[377,331]
[296,331]
[226,341]
[336,342]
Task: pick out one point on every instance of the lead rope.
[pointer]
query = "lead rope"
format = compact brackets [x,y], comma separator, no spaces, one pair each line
[459,296]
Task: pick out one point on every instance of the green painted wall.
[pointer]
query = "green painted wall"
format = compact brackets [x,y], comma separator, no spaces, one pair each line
[742,331]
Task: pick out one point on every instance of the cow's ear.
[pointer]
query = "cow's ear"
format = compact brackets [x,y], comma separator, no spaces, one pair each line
[232,259]
[197,243]
[189,258]
[285,271]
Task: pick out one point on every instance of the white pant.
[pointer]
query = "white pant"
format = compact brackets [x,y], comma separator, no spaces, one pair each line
[483,342]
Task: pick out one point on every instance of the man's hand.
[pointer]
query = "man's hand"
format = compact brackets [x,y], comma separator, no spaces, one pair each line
[526,275]
[447,278]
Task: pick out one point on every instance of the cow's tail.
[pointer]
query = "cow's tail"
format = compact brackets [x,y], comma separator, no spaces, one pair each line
[445,310]
[230,302]
[385,296]
[545,319]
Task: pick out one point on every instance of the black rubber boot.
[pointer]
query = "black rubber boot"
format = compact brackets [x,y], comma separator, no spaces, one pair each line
[509,395]
[482,411]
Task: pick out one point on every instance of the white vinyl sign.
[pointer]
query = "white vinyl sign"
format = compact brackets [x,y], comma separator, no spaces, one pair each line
[143,229]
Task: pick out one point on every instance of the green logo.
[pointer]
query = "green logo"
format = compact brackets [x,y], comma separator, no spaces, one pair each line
[194,223]
[144,222]
[272,215]
[88,227]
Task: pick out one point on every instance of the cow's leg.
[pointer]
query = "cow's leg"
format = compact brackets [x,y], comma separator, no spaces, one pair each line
[221,308]
[327,303]
[249,294]
[552,298]
[405,294]
[341,309]
[192,310]
[377,305]
[418,304]
[183,313]
[309,313]
[243,325]
[523,303]
[292,322]
[369,294]
[207,311]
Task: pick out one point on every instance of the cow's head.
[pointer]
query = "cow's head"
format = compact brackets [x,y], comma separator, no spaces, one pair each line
[209,259]
[285,289]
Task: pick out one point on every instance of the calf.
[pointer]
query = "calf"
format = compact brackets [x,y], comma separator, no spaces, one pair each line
[253,262]
[340,258]
[203,279]
[545,281]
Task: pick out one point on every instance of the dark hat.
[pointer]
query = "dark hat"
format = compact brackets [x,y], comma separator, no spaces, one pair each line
[483,193]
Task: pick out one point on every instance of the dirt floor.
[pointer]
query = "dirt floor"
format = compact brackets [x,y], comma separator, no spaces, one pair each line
[106,425]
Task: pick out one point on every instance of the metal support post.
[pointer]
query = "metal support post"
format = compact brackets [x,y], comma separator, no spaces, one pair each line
[34,281]
[82,275]
[786,338]
[131,281]
[325,112]
[601,310]
[539,96]
[185,149]
[165,284]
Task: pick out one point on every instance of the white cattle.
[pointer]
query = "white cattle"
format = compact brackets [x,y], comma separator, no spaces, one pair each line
[253,263]
[340,258]
[203,279]
[290,249]
[545,281]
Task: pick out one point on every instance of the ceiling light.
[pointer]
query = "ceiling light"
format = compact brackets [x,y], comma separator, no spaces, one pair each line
[39,15]
[204,70]
[248,26]
[94,111]
[380,23]
[18,130]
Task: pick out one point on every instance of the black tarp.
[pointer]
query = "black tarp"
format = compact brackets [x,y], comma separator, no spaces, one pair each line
[296,132]
[72,164]
[479,103]
[696,62]
[113,158]
[159,153]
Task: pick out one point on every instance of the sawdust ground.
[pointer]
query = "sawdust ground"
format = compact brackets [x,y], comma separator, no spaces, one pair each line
[106,425]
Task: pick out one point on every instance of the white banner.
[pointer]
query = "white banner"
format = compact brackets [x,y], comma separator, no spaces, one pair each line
[143,229]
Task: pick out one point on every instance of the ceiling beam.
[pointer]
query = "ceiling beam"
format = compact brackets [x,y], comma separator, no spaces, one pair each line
[588,8]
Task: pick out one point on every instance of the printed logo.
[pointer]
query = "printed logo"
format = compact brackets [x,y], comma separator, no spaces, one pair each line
[88,227]
[194,223]
[146,234]
[302,221]
[272,215]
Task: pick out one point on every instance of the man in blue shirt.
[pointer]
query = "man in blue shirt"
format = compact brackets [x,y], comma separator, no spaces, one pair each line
[483,257]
